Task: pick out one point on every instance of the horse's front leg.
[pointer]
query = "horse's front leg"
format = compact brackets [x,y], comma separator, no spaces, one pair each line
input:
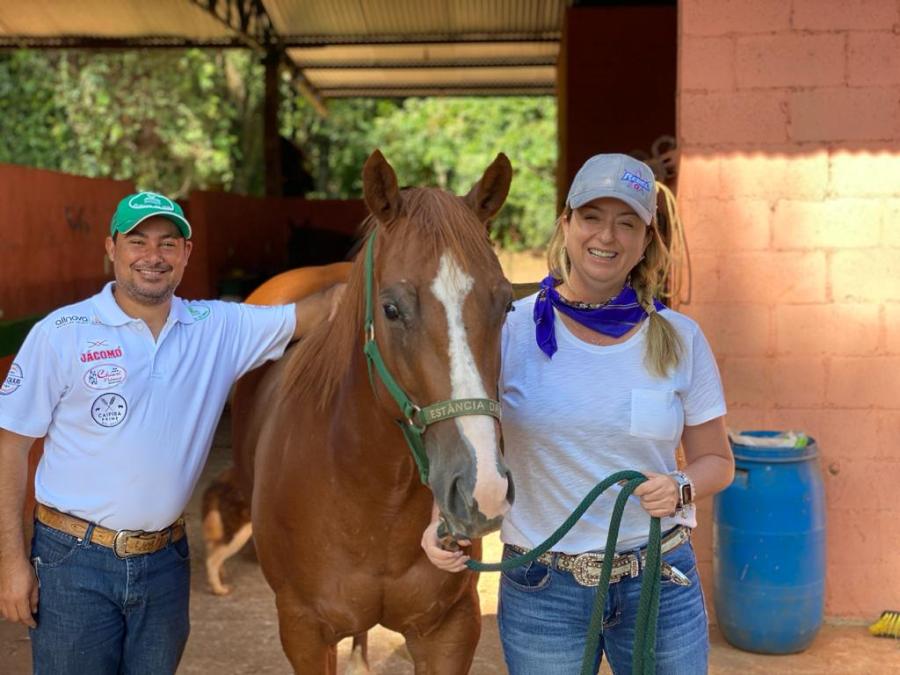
[302,640]
[449,648]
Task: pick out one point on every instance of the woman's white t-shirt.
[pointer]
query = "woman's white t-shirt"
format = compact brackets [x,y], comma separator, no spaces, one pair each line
[571,421]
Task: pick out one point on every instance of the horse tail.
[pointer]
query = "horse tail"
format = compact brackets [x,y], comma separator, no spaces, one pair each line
[359,655]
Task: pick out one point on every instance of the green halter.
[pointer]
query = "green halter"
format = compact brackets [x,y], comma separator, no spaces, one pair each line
[415,419]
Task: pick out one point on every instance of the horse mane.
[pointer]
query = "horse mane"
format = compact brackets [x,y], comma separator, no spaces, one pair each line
[432,221]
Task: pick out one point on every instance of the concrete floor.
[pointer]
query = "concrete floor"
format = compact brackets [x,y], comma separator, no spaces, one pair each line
[238,634]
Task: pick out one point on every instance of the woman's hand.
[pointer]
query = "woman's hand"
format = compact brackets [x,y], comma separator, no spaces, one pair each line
[449,561]
[658,494]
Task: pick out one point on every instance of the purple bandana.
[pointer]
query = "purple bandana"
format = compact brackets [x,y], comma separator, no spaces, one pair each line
[615,318]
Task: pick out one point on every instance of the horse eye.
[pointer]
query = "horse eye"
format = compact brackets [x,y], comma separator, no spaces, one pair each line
[391,311]
[510,307]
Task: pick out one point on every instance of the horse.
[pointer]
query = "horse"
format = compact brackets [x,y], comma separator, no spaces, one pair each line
[339,503]
[225,508]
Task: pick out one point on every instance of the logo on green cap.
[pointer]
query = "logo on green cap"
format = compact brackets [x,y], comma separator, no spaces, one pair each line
[151,200]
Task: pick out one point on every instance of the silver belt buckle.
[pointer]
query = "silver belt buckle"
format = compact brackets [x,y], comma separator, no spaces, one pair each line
[586,568]
[120,542]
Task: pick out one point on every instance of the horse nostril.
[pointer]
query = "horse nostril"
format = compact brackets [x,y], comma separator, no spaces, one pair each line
[458,501]
[510,489]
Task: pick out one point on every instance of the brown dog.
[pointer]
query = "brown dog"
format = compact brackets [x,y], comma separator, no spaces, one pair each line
[226,525]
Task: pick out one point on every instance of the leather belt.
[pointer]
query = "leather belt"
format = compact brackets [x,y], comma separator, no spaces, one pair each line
[585,567]
[124,543]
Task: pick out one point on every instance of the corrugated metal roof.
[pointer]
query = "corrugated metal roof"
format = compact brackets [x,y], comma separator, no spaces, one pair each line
[425,55]
[335,81]
[341,18]
[423,47]
[345,47]
[108,18]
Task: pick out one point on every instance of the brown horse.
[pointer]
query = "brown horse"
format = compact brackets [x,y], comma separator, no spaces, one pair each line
[338,508]
[226,511]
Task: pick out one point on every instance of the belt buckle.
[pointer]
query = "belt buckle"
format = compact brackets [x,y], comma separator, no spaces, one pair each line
[586,568]
[120,542]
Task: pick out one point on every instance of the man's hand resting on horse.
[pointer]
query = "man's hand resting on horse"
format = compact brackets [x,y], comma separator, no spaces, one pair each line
[317,308]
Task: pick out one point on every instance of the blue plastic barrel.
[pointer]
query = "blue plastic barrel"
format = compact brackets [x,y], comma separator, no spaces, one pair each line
[769,548]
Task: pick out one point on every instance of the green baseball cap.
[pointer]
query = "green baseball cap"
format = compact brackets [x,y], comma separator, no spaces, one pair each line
[136,208]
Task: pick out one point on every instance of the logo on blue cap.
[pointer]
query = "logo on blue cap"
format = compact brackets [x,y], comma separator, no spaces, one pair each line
[635,181]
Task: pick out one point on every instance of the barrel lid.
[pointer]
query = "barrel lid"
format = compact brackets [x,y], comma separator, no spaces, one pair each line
[772,446]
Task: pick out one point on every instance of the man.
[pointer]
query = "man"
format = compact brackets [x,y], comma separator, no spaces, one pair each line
[127,387]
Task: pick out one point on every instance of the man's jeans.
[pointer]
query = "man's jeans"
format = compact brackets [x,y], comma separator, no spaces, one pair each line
[98,614]
[544,615]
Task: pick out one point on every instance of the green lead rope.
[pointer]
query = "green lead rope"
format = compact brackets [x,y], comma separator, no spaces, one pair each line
[644,657]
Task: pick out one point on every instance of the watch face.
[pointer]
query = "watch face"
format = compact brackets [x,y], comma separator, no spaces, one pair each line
[685,489]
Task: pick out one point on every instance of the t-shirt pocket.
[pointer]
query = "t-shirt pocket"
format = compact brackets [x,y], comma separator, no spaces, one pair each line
[653,414]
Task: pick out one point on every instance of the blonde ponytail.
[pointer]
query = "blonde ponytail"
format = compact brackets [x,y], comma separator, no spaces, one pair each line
[663,345]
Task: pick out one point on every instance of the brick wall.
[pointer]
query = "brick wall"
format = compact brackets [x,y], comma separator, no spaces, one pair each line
[789,124]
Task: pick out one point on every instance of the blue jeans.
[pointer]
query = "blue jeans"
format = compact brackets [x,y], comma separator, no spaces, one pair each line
[544,615]
[101,615]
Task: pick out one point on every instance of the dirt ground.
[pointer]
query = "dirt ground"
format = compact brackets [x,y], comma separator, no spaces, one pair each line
[238,634]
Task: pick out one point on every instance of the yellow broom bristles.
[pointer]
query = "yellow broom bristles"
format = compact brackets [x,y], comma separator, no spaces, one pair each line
[888,625]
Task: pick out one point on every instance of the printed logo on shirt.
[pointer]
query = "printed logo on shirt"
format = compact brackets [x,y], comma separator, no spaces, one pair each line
[101,354]
[105,376]
[71,320]
[109,410]
[13,380]
[636,181]
[199,312]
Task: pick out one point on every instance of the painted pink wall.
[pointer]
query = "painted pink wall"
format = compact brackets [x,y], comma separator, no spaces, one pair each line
[789,126]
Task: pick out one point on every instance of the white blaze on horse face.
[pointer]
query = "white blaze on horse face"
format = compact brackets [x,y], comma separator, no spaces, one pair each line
[451,286]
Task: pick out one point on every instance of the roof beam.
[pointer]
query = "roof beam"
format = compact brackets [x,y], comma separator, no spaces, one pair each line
[389,91]
[98,43]
[413,38]
[251,22]
[247,18]
[386,64]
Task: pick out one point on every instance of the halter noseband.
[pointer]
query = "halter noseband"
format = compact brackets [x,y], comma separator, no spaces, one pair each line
[415,419]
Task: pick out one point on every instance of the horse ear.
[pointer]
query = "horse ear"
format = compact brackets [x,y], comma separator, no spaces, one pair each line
[487,195]
[380,189]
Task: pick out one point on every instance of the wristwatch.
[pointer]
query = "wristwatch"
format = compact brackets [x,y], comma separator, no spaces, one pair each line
[685,489]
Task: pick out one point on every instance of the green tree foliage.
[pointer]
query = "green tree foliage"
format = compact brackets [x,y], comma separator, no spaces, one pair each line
[169,120]
[446,142]
[176,120]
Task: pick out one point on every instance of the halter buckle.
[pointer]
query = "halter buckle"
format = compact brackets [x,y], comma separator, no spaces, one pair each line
[411,419]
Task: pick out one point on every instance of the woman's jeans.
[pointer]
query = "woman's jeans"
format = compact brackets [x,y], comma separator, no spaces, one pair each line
[99,614]
[544,616]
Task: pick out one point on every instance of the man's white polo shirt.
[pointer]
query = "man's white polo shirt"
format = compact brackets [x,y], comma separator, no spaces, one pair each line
[129,421]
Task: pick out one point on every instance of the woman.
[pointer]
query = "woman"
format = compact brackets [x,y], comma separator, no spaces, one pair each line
[598,377]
